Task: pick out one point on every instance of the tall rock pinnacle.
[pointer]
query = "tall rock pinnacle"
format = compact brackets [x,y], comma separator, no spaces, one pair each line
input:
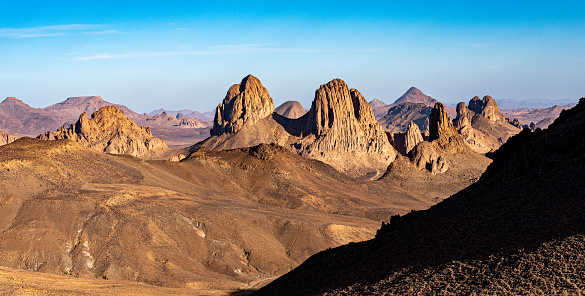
[244,104]
[439,123]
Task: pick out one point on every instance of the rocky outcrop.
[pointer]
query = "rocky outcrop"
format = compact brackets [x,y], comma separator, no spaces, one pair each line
[440,125]
[488,108]
[413,137]
[443,142]
[7,138]
[110,131]
[180,120]
[244,105]
[291,109]
[342,122]
[483,127]
[339,129]
[377,103]
[426,156]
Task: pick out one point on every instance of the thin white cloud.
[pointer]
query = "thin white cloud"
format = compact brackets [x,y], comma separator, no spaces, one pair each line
[48,31]
[140,55]
[234,49]
[103,32]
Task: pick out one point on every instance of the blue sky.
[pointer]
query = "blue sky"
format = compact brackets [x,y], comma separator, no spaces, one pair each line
[186,54]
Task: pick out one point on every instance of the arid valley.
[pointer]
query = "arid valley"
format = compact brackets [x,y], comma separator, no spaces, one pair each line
[323,172]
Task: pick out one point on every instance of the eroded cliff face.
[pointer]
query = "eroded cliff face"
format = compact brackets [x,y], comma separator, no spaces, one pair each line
[413,137]
[110,131]
[243,106]
[339,129]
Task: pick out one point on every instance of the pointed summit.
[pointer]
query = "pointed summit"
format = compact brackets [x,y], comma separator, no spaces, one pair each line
[415,95]
[291,109]
[244,104]
[377,103]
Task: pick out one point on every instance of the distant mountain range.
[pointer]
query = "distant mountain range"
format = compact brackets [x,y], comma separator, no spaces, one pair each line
[23,120]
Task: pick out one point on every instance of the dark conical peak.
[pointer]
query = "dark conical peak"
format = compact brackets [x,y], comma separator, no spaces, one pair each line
[415,91]
[377,103]
[415,95]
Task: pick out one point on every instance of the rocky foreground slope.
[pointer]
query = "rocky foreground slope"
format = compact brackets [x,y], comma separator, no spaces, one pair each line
[109,130]
[519,230]
[339,129]
[216,221]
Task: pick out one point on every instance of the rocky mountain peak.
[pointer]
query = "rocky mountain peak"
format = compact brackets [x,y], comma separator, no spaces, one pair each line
[291,109]
[415,95]
[110,131]
[488,108]
[244,104]
[440,124]
[12,101]
[377,103]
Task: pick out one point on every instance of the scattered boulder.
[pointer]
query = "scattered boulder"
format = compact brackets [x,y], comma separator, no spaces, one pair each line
[110,131]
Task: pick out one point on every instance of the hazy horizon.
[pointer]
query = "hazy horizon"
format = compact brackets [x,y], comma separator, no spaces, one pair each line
[185,55]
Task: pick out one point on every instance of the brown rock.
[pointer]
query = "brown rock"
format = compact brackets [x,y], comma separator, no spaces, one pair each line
[440,124]
[7,138]
[377,103]
[291,109]
[339,129]
[342,122]
[400,116]
[426,156]
[413,136]
[110,131]
[488,108]
[483,127]
[244,105]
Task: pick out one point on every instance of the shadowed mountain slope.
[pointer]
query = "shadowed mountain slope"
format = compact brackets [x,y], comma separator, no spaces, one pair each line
[217,220]
[519,230]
